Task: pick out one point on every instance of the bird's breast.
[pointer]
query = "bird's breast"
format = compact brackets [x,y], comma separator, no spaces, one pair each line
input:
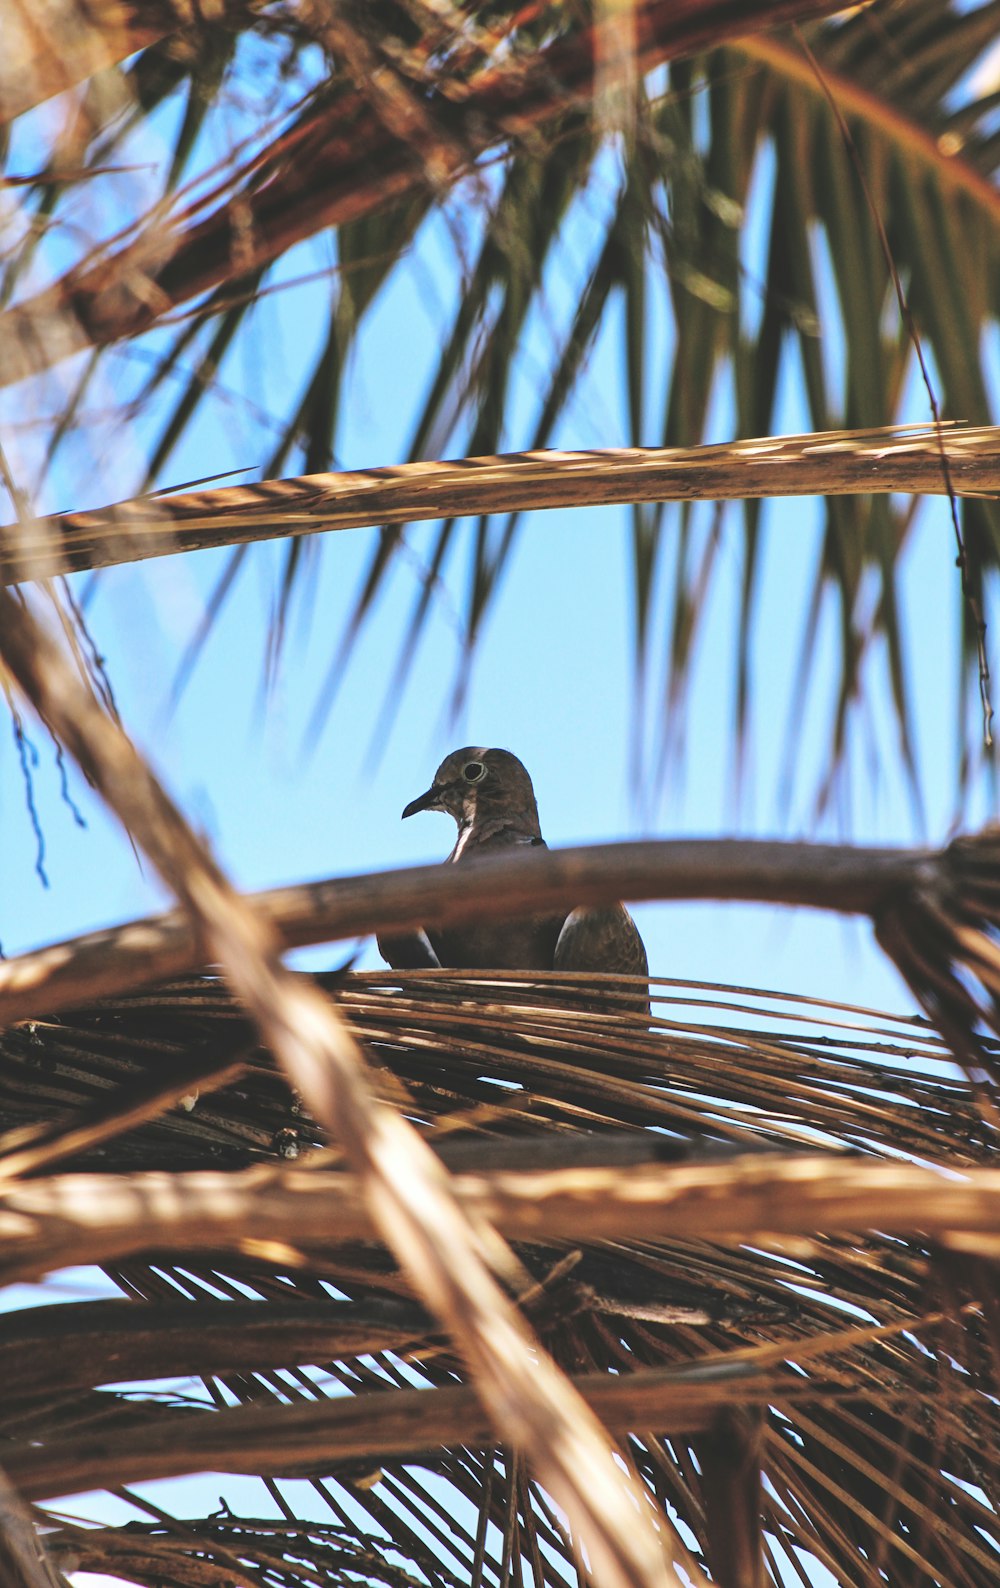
[527,943]
[520,943]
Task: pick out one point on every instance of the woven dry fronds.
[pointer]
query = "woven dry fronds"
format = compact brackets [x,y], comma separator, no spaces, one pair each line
[863,1366]
[808,1081]
[839,462]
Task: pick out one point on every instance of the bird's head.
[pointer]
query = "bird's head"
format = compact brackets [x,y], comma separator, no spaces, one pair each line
[475,785]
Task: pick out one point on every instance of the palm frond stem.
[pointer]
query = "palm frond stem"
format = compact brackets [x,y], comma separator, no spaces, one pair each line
[756,1199]
[842,878]
[881,461]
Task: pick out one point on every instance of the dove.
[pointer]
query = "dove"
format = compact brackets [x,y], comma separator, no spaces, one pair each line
[490,796]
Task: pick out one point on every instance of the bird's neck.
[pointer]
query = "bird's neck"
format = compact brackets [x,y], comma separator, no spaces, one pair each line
[495,832]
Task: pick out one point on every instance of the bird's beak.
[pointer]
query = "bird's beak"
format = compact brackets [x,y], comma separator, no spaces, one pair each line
[424,802]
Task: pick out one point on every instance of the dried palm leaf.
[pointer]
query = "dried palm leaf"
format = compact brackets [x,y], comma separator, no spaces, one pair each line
[909,458]
[871,1351]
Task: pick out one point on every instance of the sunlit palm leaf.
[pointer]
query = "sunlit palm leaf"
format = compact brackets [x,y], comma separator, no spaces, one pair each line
[839,464]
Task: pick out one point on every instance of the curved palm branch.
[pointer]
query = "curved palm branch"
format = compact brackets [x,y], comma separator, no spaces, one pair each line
[962,460]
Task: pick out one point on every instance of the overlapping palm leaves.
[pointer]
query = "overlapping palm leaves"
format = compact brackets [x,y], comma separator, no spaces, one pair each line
[667,221]
[869,1360]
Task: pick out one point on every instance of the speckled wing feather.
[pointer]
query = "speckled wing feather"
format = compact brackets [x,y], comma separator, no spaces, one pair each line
[604,940]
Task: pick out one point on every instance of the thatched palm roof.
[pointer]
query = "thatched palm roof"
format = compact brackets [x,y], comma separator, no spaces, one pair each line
[859,1371]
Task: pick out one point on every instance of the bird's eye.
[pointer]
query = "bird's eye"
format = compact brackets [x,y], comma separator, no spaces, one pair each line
[473,771]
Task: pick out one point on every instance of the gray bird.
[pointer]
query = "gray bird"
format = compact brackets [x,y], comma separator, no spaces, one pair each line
[489,794]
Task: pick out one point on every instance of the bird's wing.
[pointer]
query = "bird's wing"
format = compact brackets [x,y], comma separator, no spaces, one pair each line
[409,951]
[604,940]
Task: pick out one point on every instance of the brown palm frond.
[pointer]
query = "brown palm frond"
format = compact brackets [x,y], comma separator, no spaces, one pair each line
[886,459]
[291,1212]
[51,45]
[936,913]
[242,1552]
[878,1329]
[944,936]
[23,1557]
[307,179]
